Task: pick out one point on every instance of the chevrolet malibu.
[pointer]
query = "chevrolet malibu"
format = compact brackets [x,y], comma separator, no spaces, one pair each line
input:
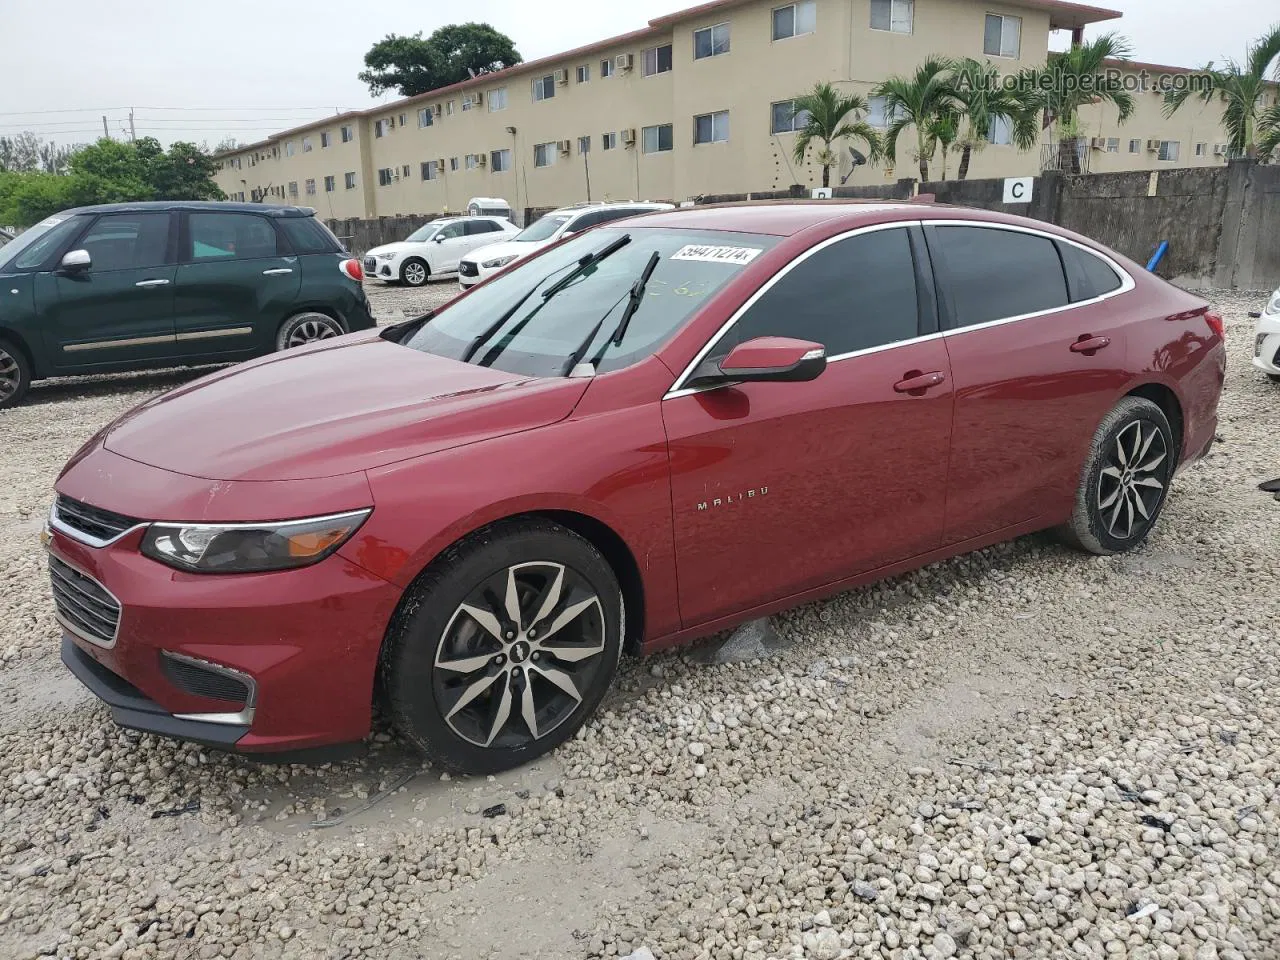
[645,434]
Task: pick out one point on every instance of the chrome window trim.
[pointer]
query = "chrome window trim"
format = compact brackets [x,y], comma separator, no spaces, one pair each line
[1127,283]
[243,717]
[81,537]
[71,628]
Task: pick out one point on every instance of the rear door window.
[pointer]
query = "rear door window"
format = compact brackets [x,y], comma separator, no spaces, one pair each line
[128,241]
[993,274]
[230,236]
[1088,276]
[308,235]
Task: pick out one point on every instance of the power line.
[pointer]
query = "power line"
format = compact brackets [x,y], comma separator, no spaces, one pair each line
[279,107]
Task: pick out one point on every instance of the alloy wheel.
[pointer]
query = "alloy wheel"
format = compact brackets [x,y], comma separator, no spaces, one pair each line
[1130,487]
[519,654]
[312,329]
[415,274]
[10,375]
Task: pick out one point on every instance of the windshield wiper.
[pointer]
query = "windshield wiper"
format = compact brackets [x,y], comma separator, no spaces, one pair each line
[402,331]
[634,298]
[585,262]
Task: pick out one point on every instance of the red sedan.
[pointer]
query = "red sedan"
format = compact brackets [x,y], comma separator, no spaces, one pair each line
[645,434]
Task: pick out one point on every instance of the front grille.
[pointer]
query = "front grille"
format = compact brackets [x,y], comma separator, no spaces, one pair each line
[92,521]
[204,681]
[83,604]
[468,269]
[370,263]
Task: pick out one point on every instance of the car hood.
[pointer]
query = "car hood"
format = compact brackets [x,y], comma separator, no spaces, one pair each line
[350,404]
[400,246]
[505,248]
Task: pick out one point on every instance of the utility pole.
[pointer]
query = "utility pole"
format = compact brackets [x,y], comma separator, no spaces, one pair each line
[105,132]
[133,135]
[586,167]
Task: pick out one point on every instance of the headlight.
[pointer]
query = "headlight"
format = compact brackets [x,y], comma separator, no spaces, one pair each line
[384,256]
[249,547]
[497,262]
[1273,305]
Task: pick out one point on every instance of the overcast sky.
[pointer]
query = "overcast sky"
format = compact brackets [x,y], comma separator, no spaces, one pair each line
[248,68]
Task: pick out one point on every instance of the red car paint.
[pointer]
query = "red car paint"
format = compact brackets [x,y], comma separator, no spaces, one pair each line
[725,504]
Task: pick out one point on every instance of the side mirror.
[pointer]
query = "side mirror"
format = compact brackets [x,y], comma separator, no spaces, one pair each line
[76,261]
[766,359]
[438,238]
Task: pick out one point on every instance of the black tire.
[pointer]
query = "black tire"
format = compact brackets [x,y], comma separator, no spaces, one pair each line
[15,374]
[1117,487]
[446,713]
[307,327]
[410,275]
[1274,377]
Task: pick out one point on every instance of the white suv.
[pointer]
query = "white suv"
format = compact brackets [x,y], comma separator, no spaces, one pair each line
[434,248]
[545,231]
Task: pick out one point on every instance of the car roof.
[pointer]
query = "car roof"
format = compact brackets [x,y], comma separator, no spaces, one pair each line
[593,207]
[203,206]
[783,218]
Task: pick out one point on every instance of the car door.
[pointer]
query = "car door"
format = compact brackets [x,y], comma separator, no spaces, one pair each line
[1036,365]
[120,309]
[782,487]
[448,246]
[237,282]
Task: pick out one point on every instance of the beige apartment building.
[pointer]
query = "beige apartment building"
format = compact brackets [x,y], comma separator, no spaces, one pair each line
[696,103]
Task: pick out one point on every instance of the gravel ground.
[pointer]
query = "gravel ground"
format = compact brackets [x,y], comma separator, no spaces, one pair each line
[1024,752]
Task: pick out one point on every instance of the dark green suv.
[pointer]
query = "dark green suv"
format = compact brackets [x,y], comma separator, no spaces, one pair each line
[136,285]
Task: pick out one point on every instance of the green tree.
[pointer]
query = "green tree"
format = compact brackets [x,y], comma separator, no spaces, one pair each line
[831,116]
[1240,89]
[453,53]
[1074,78]
[29,197]
[1269,134]
[983,100]
[917,101]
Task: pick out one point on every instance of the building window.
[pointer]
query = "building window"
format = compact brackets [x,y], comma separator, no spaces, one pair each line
[656,139]
[894,16]
[403,118]
[453,163]
[426,117]
[609,141]
[380,127]
[1003,36]
[711,41]
[404,171]
[430,169]
[293,188]
[794,20]
[657,60]
[784,118]
[711,127]
[329,184]
[1169,150]
[288,149]
[584,145]
[500,160]
[544,88]
[584,73]
[497,99]
[544,154]
[347,134]
[1135,146]
[385,176]
[878,113]
[1000,132]
[472,161]
[450,107]
[1201,149]
[468,103]
[324,140]
[606,68]
[310,187]
[1113,144]
[306,144]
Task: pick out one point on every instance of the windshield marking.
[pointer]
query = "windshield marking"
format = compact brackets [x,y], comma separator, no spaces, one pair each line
[710,254]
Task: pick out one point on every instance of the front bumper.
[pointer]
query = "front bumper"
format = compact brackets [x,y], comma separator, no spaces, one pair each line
[385,270]
[1266,348]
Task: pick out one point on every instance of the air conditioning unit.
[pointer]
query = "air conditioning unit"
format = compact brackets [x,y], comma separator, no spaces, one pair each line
[1098,143]
[440,164]
[480,159]
[562,76]
[1153,146]
[629,135]
[437,110]
[1219,149]
[565,146]
[623,61]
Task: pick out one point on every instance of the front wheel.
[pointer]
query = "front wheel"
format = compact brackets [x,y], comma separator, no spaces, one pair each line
[1274,377]
[504,648]
[306,328]
[414,272]
[1125,479]
[15,375]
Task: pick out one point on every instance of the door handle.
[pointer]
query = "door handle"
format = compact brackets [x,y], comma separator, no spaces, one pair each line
[276,270]
[917,383]
[1090,345]
[151,283]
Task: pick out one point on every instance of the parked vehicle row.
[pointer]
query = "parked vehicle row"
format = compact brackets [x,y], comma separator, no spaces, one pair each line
[649,432]
[142,285]
[434,248]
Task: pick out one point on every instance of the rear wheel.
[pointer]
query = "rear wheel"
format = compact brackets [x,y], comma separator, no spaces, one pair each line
[15,375]
[414,272]
[307,328]
[504,648]
[1125,479]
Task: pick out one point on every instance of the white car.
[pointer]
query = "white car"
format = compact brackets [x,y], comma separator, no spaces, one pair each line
[545,231]
[434,249]
[1266,341]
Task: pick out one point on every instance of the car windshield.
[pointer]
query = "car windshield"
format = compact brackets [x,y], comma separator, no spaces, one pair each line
[541,333]
[541,229]
[32,247]
[423,233]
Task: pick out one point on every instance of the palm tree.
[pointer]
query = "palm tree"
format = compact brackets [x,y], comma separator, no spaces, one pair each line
[1240,89]
[1073,79]
[943,129]
[917,101]
[1269,134]
[984,100]
[826,112]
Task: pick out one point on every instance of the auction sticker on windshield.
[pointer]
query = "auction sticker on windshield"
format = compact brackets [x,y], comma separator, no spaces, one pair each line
[736,255]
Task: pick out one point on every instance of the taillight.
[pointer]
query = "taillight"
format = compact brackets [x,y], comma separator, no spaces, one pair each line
[1214,319]
[352,269]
